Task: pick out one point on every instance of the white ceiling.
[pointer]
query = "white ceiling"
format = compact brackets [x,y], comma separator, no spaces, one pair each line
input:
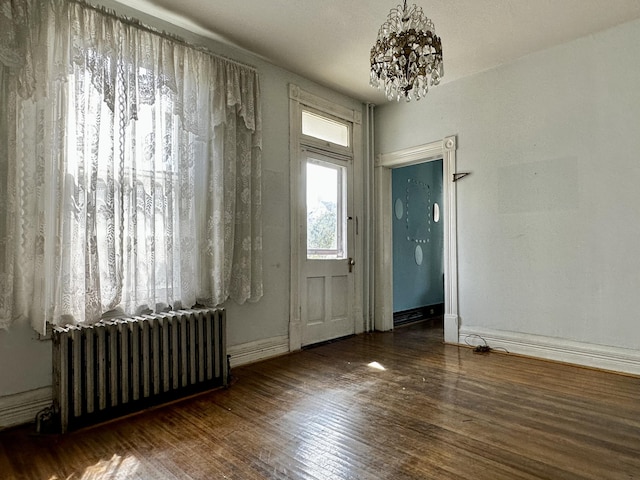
[329,40]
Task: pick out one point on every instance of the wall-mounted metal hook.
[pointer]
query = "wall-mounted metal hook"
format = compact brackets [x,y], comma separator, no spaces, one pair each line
[458,176]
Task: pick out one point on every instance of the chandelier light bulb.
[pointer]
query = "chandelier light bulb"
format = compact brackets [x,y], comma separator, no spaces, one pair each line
[407,56]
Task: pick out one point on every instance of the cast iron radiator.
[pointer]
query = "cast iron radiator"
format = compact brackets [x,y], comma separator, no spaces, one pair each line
[115,367]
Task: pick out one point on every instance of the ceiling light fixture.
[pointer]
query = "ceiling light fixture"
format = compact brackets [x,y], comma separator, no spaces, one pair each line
[407,56]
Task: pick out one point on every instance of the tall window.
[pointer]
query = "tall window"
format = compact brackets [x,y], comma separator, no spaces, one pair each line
[133,171]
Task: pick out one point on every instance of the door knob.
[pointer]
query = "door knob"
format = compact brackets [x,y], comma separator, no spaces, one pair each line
[352,262]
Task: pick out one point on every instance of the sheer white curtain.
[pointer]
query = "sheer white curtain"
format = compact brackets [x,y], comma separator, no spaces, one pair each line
[133,170]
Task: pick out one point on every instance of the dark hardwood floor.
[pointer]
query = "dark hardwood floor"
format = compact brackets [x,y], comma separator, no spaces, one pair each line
[435,412]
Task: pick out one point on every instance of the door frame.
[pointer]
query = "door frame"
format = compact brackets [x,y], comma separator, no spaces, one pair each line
[444,149]
[299,99]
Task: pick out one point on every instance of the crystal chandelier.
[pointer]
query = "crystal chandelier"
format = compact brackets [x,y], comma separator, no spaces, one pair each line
[407,56]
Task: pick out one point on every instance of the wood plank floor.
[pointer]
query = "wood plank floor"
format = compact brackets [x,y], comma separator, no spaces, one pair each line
[435,412]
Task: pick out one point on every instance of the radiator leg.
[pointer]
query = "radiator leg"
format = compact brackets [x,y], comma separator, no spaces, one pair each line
[46,419]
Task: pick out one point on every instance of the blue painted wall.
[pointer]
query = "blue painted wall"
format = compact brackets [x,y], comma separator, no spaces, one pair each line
[415,189]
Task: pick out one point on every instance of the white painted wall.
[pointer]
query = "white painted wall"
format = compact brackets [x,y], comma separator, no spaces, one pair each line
[549,219]
[25,361]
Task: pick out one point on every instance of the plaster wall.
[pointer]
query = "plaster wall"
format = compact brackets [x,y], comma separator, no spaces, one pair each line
[548,231]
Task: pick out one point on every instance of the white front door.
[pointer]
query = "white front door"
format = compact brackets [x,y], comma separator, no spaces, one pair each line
[326,245]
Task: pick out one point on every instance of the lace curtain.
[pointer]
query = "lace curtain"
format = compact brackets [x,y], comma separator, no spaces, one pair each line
[132,169]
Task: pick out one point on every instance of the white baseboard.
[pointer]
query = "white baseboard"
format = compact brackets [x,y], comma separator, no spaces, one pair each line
[259,350]
[23,407]
[568,351]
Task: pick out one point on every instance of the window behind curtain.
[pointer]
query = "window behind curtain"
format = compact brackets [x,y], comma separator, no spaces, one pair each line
[132,193]
[136,172]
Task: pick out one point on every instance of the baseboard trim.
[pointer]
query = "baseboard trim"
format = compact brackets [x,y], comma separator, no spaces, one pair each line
[22,407]
[585,354]
[418,314]
[259,350]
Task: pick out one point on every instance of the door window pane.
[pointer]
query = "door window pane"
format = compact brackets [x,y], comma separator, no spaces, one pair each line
[325,128]
[325,211]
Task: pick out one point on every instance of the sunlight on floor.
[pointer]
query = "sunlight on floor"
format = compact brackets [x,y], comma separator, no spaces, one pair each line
[115,468]
[376,365]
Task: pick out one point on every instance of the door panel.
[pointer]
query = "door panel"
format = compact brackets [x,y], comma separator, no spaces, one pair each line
[316,295]
[339,300]
[328,311]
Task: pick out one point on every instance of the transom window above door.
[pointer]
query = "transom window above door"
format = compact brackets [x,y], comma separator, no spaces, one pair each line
[331,132]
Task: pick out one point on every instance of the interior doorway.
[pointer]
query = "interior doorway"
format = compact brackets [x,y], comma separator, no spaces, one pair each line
[446,150]
[418,243]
